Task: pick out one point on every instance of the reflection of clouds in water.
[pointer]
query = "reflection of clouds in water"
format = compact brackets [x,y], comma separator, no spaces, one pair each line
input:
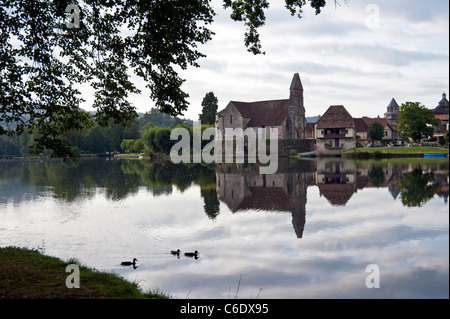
[326,263]
[409,244]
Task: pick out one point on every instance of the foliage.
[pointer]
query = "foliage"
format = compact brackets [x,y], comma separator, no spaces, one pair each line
[209,109]
[127,145]
[162,139]
[158,118]
[149,139]
[45,58]
[138,145]
[415,121]
[251,12]
[375,131]
[417,188]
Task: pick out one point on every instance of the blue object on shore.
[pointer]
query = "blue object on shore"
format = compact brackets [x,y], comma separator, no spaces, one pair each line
[307,155]
[434,155]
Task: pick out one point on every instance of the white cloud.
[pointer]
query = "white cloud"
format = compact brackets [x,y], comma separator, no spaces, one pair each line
[340,59]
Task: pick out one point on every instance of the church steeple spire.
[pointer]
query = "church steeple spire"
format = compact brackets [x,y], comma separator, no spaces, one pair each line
[296,83]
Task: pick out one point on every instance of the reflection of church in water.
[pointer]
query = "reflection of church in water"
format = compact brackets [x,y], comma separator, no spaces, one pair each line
[242,188]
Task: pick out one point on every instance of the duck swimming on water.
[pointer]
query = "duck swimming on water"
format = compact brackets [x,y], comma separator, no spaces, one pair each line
[130,263]
[192,254]
[175,252]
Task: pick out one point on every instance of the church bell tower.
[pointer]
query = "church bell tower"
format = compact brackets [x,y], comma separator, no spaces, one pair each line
[296,121]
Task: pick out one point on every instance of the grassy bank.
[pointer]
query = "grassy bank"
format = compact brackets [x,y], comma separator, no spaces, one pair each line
[26,273]
[394,151]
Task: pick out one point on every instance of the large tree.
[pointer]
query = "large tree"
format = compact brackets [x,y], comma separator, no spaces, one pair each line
[209,109]
[415,121]
[48,48]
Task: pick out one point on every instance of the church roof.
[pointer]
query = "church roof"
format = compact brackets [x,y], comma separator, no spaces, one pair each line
[266,198]
[443,106]
[336,117]
[263,113]
[393,103]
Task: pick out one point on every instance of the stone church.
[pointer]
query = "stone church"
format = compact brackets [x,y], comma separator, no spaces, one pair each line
[287,115]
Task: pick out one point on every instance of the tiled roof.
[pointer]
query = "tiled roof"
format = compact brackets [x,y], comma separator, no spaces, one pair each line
[265,198]
[360,125]
[383,121]
[263,113]
[337,194]
[336,117]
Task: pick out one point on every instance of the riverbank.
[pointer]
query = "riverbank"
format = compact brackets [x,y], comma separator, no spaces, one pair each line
[394,152]
[29,274]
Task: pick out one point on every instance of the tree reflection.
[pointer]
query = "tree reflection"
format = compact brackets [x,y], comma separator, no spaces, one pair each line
[337,180]
[417,188]
[377,176]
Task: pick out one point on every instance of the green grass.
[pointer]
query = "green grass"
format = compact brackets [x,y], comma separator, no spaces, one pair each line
[400,150]
[129,154]
[26,273]
[401,160]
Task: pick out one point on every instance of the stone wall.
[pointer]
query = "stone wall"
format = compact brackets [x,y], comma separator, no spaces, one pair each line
[345,144]
[297,145]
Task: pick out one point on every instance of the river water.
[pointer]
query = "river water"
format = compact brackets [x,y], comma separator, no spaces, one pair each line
[318,228]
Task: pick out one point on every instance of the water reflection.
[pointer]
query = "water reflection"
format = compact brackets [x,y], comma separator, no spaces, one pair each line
[239,186]
[348,215]
[242,188]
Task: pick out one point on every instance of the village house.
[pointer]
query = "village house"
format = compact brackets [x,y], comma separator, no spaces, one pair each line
[335,131]
[362,127]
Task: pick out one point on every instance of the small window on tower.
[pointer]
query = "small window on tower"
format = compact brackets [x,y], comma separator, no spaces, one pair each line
[231,119]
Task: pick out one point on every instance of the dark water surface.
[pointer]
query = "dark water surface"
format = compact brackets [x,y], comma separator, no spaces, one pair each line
[308,231]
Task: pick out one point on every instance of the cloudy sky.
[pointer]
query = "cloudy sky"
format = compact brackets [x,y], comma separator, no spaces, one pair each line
[360,54]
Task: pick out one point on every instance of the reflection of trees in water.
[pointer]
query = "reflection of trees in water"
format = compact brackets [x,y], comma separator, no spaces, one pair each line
[211,202]
[416,183]
[417,187]
[82,179]
[117,179]
[163,175]
[377,176]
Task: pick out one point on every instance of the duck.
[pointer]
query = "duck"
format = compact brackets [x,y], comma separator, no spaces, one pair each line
[192,254]
[129,263]
[175,252]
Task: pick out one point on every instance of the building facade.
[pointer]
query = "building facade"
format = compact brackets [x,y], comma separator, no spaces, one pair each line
[335,131]
[362,127]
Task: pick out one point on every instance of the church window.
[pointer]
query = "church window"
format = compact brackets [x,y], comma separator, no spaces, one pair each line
[231,119]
